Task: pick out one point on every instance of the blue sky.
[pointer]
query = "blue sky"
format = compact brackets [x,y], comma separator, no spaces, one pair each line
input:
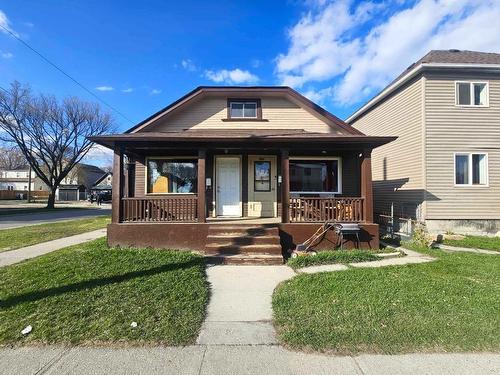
[140,56]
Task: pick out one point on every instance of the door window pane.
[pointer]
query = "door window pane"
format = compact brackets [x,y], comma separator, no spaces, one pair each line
[463,93]
[314,176]
[262,176]
[172,176]
[461,169]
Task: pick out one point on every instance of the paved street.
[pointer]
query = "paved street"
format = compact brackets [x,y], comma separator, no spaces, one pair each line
[21,220]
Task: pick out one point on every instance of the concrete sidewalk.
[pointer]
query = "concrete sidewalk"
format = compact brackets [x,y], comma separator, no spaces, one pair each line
[239,311]
[28,252]
[247,359]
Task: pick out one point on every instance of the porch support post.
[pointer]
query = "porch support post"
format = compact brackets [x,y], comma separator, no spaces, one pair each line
[202,155]
[285,186]
[366,184]
[118,180]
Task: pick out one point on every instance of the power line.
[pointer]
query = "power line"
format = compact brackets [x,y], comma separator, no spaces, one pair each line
[66,74]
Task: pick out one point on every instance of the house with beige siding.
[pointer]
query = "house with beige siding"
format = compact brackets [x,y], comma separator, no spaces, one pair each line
[241,173]
[444,168]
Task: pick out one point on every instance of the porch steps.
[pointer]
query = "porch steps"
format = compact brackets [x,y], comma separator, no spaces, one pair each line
[243,244]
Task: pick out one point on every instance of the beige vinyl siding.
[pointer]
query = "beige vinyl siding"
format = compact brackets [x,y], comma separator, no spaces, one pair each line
[140,178]
[452,129]
[397,168]
[208,113]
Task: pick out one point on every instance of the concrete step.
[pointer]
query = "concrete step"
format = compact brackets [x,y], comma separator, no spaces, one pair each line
[239,239]
[246,230]
[231,248]
[240,259]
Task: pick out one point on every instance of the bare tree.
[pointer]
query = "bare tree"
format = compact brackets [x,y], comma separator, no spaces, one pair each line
[11,158]
[51,134]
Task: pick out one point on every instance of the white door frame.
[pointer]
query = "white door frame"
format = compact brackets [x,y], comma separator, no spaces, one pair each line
[216,157]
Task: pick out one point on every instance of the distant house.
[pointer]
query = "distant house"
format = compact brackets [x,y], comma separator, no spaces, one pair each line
[78,184]
[104,184]
[17,181]
[444,168]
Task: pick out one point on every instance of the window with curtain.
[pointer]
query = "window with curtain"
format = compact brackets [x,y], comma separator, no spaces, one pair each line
[471,169]
[314,176]
[172,176]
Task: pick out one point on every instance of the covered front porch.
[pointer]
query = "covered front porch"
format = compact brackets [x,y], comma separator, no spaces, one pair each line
[169,191]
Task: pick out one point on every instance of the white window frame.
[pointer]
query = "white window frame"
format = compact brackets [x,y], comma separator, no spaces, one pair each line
[244,103]
[472,83]
[164,158]
[339,161]
[469,176]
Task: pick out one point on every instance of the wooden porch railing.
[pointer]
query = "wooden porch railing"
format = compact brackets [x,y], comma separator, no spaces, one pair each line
[160,209]
[315,209]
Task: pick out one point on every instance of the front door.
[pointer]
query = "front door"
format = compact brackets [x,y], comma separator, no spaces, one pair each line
[262,195]
[228,186]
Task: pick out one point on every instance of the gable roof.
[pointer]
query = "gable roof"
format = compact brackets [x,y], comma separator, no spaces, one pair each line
[100,179]
[248,91]
[434,59]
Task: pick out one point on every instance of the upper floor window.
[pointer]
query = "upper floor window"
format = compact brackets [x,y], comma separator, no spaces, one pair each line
[473,94]
[246,109]
[471,169]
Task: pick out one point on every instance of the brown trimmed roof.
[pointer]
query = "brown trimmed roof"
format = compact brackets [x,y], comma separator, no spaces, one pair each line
[239,136]
[243,91]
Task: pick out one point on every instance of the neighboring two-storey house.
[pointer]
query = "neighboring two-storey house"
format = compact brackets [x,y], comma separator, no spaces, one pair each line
[79,182]
[242,173]
[15,184]
[444,168]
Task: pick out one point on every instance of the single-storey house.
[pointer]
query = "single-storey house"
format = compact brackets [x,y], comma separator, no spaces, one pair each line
[241,173]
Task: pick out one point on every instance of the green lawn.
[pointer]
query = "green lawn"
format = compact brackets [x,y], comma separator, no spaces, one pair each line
[15,238]
[451,304]
[90,294]
[477,242]
[331,257]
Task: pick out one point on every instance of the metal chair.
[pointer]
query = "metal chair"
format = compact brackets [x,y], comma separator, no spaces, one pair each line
[352,229]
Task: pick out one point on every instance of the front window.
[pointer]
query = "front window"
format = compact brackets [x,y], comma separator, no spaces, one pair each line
[471,169]
[172,176]
[315,176]
[239,109]
[471,94]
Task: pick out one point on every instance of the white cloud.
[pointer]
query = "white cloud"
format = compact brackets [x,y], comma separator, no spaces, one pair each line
[5,24]
[155,92]
[104,88]
[327,46]
[188,65]
[6,55]
[99,155]
[256,63]
[128,90]
[231,76]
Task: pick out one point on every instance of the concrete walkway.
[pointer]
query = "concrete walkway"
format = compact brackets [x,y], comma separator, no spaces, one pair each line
[466,249]
[239,311]
[28,252]
[411,257]
[248,359]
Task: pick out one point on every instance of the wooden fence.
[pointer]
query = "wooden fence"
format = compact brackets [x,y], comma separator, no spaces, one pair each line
[14,194]
[305,209]
[160,209]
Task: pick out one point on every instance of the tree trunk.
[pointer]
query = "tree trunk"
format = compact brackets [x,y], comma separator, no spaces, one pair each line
[52,199]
